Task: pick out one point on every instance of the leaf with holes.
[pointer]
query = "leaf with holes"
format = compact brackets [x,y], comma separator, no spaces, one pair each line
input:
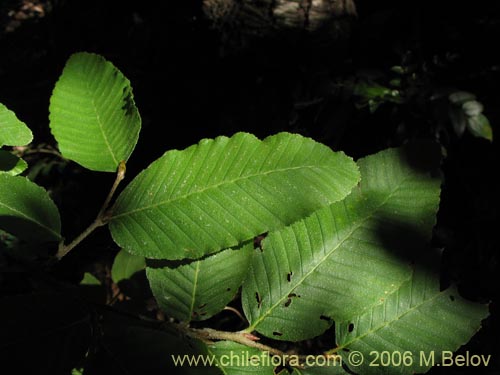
[27,211]
[197,290]
[344,258]
[13,132]
[415,325]
[224,191]
[92,113]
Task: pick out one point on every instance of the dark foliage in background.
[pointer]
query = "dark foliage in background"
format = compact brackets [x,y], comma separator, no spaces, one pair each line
[193,81]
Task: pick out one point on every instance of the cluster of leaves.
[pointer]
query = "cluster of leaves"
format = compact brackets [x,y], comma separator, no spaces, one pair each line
[346,243]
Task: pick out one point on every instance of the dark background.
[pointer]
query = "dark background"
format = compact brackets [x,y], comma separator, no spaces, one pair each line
[193,81]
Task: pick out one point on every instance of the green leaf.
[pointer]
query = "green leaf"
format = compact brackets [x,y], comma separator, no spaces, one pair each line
[236,359]
[126,265]
[460,97]
[480,127]
[344,258]
[13,132]
[322,370]
[11,164]
[27,211]
[414,325]
[92,113]
[200,289]
[89,279]
[221,192]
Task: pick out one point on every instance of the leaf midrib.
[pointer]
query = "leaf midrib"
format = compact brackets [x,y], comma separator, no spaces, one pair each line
[33,220]
[216,186]
[100,123]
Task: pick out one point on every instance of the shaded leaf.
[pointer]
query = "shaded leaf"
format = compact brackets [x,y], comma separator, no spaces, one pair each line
[417,319]
[480,127]
[200,289]
[45,333]
[27,211]
[11,164]
[89,279]
[221,192]
[344,258]
[125,265]
[13,132]
[92,113]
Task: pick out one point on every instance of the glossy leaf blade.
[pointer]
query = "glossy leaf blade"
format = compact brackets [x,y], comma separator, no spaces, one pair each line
[344,258]
[417,319]
[200,289]
[13,132]
[221,192]
[92,113]
[27,211]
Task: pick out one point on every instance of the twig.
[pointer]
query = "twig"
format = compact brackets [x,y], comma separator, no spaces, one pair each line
[101,219]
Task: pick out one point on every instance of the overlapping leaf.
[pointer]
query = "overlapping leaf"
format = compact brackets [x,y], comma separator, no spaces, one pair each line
[92,113]
[11,164]
[200,289]
[13,132]
[344,258]
[218,193]
[417,323]
[27,211]
[126,265]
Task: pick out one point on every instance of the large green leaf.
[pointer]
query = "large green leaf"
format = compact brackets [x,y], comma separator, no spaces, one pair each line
[13,132]
[200,289]
[412,327]
[27,211]
[344,258]
[218,193]
[92,113]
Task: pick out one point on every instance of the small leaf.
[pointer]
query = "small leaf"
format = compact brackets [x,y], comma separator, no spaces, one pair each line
[126,265]
[27,211]
[458,120]
[480,127]
[222,192]
[200,289]
[344,258]
[13,132]
[460,97]
[11,164]
[89,279]
[92,113]
[472,108]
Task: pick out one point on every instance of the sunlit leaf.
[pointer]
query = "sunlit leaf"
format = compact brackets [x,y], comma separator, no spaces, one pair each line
[92,113]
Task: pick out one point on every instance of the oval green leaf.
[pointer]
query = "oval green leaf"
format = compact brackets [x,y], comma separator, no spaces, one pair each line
[92,113]
[202,288]
[221,192]
[344,258]
[13,132]
[27,211]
